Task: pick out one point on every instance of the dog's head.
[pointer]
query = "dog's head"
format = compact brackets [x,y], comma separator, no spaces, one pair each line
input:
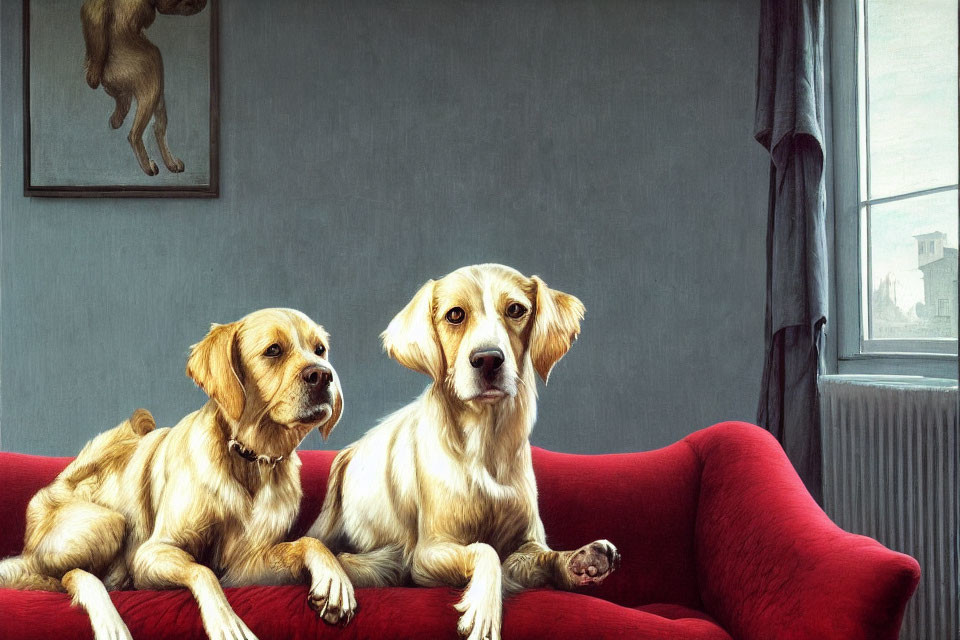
[180,7]
[476,329]
[273,364]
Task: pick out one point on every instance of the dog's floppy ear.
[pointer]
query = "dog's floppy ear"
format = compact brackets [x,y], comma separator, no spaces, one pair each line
[411,338]
[213,366]
[337,411]
[556,324]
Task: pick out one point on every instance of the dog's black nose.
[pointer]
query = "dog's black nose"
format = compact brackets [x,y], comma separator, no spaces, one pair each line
[316,376]
[489,359]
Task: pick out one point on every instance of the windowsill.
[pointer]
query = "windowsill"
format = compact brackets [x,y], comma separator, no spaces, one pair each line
[885,380]
[913,365]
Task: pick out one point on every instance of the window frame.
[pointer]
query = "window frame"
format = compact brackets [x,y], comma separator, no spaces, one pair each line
[854,353]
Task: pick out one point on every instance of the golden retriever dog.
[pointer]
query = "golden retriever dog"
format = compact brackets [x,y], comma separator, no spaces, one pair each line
[121,58]
[202,504]
[447,482]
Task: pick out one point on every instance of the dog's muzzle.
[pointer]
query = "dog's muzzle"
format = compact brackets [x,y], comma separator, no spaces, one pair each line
[318,413]
[487,360]
[317,379]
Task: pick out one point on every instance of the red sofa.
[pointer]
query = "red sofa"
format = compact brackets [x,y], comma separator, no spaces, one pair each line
[719,540]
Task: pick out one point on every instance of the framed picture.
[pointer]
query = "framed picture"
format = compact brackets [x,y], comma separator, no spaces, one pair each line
[120,98]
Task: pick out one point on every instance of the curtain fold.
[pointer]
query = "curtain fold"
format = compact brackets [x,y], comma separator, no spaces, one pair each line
[789,124]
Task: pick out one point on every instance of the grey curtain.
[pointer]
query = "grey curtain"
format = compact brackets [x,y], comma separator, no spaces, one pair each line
[789,124]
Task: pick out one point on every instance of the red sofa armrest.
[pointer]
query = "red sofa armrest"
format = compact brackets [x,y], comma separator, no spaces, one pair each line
[644,503]
[772,564]
[21,476]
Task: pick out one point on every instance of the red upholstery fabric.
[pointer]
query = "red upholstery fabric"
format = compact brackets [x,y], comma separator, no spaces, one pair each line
[21,476]
[770,558]
[281,613]
[644,503]
[719,540]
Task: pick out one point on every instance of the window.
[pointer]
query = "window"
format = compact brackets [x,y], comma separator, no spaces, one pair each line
[894,83]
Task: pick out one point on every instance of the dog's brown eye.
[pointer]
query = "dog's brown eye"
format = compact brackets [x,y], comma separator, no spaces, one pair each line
[320,350]
[273,351]
[516,310]
[455,315]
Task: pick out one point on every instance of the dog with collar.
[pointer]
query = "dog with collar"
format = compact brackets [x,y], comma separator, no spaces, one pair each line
[204,504]
[444,488]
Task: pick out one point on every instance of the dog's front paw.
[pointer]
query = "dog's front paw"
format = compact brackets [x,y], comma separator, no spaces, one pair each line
[151,168]
[108,626]
[480,620]
[227,626]
[176,166]
[592,563]
[332,598]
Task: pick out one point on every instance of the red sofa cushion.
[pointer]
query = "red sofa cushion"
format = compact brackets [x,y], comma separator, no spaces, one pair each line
[282,613]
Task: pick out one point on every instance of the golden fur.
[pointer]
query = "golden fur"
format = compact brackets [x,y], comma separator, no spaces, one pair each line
[182,506]
[445,487]
[121,57]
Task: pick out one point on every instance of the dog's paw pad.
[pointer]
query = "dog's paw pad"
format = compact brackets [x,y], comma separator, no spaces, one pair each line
[465,624]
[592,563]
[478,623]
[332,616]
[332,613]
[318,603]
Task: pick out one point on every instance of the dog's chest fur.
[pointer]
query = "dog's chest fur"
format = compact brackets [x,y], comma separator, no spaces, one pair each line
[498,518]
[251,523]
[486,497]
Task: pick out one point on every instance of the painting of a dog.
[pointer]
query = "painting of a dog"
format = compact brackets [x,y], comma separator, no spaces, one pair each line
[121,98]
[130,67]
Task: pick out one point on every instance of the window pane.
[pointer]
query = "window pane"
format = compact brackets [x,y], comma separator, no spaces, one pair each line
[913,256]
[912,85]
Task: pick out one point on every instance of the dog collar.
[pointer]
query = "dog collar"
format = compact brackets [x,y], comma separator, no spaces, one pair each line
[251,455]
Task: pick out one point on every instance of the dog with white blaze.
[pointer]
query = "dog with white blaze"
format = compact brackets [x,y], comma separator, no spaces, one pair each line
[444,488]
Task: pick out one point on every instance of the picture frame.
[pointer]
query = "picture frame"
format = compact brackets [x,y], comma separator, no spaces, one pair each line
[169,147]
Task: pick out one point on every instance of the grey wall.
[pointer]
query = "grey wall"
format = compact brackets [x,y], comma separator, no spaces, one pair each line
[368,146]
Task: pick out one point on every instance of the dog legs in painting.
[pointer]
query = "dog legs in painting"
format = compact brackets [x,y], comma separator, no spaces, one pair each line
[130,67]
[172,163]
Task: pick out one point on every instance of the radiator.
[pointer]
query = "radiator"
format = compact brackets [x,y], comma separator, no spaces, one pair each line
[890,461]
